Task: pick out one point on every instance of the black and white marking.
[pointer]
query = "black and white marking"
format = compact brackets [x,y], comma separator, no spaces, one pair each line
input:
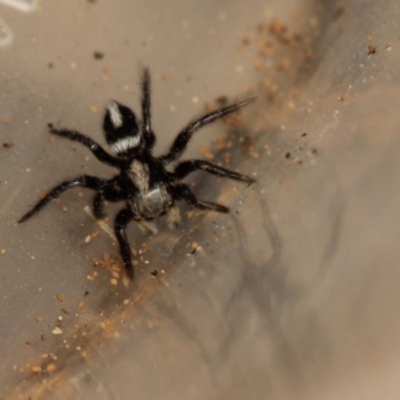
[113,109]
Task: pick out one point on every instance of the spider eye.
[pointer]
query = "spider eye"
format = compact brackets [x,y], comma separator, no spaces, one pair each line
[121,128]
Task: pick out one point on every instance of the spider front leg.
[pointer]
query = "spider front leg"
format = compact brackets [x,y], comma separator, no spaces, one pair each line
[121,221]
[94,147]
[90,182]
[148,134]
[185,168]
[182,192]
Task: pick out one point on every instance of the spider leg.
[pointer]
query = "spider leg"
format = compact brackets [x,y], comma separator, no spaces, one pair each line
[121,221]
[86,181]
[180,143]
[182,192]
[185,168]
[112,190]
[173,217]
[98,205]
[94,147]
[148,134]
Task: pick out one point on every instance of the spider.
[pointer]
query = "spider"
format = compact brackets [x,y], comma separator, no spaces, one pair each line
[148,188]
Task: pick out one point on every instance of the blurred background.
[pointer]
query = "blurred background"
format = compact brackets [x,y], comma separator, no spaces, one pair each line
[294,295]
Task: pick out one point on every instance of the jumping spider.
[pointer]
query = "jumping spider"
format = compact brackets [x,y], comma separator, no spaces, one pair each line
[144,183]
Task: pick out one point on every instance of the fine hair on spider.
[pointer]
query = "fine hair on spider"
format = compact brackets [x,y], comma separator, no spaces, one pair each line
[144,182]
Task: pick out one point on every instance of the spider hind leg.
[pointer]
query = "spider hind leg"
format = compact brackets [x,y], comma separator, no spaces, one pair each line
[187,167]
[182,192]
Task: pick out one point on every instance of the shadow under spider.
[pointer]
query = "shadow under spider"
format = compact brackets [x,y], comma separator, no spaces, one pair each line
[267,289]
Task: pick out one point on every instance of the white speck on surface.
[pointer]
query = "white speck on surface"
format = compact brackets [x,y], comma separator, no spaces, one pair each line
[57,331]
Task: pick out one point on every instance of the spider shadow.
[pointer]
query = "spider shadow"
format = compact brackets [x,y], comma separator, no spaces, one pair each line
[265,288]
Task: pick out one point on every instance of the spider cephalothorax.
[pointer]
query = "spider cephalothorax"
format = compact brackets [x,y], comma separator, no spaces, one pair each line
[144,182]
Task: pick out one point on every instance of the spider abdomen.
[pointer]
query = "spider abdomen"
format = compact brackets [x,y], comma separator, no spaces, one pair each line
[151,203]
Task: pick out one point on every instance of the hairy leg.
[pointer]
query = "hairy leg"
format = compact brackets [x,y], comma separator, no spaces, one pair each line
[98,205]
[148,134]
[182,192]
[90,182]
[121,221]
[185,168]
[180,143]
[94,147]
